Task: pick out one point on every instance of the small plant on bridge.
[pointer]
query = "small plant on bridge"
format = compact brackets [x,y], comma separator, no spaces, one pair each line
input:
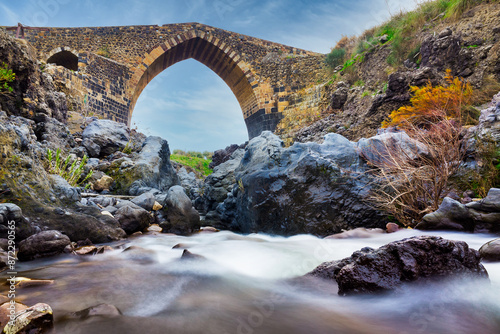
[104,51]
[6,77]
[70,172]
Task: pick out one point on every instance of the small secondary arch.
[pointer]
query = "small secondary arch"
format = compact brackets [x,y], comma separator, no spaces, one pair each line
[65,57]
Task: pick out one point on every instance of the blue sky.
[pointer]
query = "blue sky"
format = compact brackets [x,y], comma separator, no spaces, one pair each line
[188,104]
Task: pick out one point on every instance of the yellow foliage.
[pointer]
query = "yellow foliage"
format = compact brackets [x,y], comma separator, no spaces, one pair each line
[430,104]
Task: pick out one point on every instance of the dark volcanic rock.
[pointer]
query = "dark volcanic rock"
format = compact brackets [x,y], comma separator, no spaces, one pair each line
[46,243]
[10,212]
[221,156]
[307,188]
[132,219]
[181,216]
[148,169]
[339,96]
[80,223]
[408,260]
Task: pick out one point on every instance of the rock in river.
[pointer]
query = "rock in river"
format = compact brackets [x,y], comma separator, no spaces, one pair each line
[46,243]
[408,260]
[307,188]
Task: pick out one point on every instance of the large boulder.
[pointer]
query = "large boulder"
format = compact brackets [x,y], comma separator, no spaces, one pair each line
[307,188]
[339,96]
[133,219]
[413,259]
[104,137]
[148,169]
[46,243]
[181,217]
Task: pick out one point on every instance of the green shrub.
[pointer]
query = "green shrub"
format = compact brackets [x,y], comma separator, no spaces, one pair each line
[335,57]
[71,173]
[6,77]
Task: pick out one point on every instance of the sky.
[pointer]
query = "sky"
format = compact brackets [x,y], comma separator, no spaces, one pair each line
[188,104]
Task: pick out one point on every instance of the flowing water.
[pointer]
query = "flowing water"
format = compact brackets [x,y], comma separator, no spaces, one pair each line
[246,285]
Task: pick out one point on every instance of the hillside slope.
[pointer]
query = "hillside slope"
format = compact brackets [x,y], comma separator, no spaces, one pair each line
[374,75]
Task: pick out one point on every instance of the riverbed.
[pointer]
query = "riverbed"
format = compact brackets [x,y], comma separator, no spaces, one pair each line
[247,284]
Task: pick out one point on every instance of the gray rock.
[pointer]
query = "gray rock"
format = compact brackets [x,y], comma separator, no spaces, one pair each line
[491,203]
[80,223]
[122,203]
[378,149]
[46,243]
[220,182]
[451,215]
[188,181]
[10,212]
[102,201]
[145,201]
[133,220]
[307,188]
[64,190]
[107,135]
[490,251]
[181,216]
[421,258]
[151,168]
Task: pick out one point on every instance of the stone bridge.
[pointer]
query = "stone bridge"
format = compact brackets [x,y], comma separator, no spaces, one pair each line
[112,65]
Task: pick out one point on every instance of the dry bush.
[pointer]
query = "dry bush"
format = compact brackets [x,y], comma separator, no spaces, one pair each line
[346,42]
[411,183]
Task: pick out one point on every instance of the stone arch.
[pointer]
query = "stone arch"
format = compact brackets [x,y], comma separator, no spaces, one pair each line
[210,51]
[64,56]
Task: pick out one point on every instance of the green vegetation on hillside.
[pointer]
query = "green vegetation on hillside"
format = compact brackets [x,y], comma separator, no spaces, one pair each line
[196,160]
[399,32]
[6,77]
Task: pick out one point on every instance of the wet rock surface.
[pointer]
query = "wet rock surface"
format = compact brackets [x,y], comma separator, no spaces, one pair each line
[43,244]
[491,250]
[409,260]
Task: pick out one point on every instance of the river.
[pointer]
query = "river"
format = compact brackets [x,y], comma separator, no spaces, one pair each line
[246,285]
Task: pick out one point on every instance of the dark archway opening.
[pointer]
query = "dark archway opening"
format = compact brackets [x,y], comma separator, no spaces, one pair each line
[66,59]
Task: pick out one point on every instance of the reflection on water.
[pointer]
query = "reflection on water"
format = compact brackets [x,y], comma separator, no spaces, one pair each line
[244,287]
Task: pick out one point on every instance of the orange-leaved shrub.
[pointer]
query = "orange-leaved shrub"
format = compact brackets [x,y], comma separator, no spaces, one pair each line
[431,104]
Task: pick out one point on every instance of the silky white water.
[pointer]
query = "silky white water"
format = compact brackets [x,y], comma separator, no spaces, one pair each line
[246,285]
